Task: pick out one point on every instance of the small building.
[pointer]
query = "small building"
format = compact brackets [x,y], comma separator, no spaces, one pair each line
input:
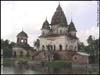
[81,58]
[22,48]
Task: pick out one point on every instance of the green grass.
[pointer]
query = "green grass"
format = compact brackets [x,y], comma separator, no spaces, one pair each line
[58,63]
[8,62]
[24,59]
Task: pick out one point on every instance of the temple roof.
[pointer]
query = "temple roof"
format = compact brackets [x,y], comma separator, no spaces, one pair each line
[59,17]
[72,27]
[22,34]
[57,35]
[46,25]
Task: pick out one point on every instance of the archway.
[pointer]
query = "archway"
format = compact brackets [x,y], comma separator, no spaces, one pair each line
[43,47]
[60,47]
[66,47]
[54,47]
[14,54]
[21,53]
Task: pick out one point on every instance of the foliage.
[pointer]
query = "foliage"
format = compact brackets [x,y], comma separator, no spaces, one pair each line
[58,63]
[92,48]
[37,43]
[90,39]
[7,62]
[24,59]
[7,48]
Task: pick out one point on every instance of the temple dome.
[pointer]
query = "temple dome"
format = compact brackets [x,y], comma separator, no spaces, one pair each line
[72,27]
[46,25]
[59,17]
[22,34]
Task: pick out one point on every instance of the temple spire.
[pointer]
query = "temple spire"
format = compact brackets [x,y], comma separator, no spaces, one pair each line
[45,24]
[71,19]
[59,16]
[46,19]
[22,29]
[59,3]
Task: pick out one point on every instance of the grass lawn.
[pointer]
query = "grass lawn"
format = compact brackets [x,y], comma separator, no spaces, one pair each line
[58,63]
[7,62]
[24,59]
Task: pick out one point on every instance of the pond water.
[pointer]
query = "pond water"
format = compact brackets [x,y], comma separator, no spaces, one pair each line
[23,69]
[17,70]
[39,69]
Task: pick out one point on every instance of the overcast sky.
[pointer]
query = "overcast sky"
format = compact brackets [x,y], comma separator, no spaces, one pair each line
[30,16]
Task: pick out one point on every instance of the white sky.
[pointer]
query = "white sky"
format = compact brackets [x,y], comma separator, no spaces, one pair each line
[30,16]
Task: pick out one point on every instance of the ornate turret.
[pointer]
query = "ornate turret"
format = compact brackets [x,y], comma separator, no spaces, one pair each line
[46,25]
[45,28]
[72,27]
[59,17]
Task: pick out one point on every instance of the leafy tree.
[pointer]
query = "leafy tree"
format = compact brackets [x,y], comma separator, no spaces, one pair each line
[81,47]
[93,48]
[7,48]
[90,44]
[90,39]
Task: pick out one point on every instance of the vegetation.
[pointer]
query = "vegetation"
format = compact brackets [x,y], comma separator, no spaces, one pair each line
[58,63]
[24,59]
[92,48]
[8,62]
[6,45]
[37,44]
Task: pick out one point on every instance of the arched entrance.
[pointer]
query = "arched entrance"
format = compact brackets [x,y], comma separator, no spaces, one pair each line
[21,53]
[54,47]
[43,47]
[14,54]
[60,47]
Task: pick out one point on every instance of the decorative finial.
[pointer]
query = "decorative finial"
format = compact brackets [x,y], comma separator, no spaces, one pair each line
[59,3]
[71,17]
[22,29]
[46,18]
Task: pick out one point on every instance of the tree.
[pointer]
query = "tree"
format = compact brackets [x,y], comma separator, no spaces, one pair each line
[81,47]
[12,44]
[93,48]
[37,44]
[90,45]
[7,48]
[90,39]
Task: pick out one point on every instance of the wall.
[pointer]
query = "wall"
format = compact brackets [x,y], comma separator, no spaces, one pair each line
[18,50]
[63,40]
[81,59]
[53,41]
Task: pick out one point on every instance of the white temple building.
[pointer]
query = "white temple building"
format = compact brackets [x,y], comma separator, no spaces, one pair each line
[58,35]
